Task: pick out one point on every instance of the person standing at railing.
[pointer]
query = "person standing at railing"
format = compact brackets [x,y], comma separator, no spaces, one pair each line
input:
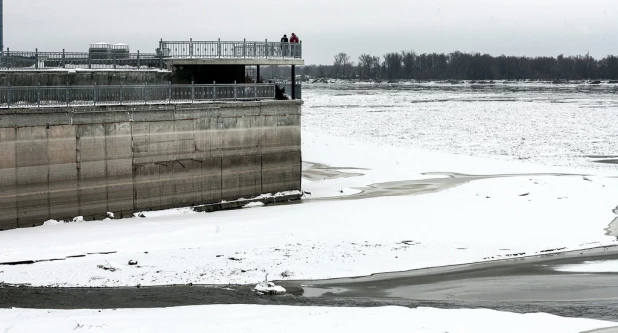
[294,41]
[284,45]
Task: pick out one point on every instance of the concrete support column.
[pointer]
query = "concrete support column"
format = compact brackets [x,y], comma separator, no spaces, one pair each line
[293,82]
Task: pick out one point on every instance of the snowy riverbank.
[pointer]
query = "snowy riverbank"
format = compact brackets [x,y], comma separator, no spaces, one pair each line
[455,221]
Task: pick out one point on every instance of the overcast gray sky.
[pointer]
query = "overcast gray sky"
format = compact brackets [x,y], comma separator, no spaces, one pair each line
[326,27]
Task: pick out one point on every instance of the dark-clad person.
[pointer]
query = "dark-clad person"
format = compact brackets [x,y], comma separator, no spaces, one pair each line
[284,45]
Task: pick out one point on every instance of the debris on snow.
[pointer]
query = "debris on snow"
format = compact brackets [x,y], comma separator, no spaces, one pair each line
[107,267]
[253,204]
[53,222]
[268,288]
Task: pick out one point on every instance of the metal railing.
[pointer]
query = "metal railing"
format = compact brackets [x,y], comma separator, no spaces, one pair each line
[42,96]
[35,60]
[229,49]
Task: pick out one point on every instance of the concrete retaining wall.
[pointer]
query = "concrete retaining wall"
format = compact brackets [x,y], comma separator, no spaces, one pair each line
[83,77]
[58,163]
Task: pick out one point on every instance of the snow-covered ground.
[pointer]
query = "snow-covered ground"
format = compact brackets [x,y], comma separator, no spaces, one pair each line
[255,318]
[326,237]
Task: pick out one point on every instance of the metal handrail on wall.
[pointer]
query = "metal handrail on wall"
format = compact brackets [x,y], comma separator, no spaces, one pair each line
[229,49]
[55,96]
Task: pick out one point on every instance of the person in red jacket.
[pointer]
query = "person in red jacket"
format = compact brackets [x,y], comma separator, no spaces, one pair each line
[294,40]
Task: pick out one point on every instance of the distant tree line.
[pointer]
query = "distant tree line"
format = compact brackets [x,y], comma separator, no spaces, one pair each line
[466,66]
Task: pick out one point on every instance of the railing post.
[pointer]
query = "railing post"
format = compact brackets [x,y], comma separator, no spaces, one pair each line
[191,48]
[192,91]
[36,58]
[64,64]
[293,82]
[8,96]
[214,90]
[146,93]
[138,61]
[255,90]
[89,60]
[169,92]
[8,58]
[121,96]
[244,48]
[94,94]
[219,47]
[234,90]
[67,95]
[161,54]
[114,60]
[38,94]
[266,48]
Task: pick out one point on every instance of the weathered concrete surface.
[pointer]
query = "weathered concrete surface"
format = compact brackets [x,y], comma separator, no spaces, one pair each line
[58,163]
[82,77]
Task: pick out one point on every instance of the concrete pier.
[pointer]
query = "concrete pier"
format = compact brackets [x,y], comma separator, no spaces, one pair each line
[58,163]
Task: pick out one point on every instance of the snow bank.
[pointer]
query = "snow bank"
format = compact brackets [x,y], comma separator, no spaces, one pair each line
[260,318]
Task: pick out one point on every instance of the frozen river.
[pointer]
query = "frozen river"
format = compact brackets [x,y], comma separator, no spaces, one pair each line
[562,125]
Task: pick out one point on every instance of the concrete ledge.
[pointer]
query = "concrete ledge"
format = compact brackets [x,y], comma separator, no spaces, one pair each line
[82,77]
[240,203]
[197,105]
[50,116]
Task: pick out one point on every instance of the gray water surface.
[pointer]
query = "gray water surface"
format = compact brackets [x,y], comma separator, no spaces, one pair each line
[524,285]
